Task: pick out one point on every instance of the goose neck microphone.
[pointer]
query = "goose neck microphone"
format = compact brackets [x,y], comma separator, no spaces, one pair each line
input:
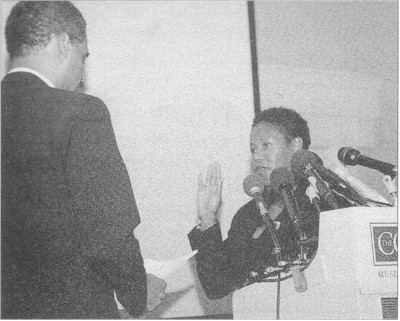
[351,156]
[305,165]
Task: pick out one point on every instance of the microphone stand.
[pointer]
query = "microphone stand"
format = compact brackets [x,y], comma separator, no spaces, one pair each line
[277,247]
[294,211]
[303,242]
[269,223]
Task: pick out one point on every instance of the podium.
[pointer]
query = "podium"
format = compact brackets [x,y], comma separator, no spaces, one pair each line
[352,276]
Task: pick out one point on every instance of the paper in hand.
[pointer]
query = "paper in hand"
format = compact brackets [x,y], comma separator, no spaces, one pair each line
[162,269]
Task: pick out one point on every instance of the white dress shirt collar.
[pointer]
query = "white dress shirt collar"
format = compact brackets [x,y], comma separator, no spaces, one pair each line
[36,73]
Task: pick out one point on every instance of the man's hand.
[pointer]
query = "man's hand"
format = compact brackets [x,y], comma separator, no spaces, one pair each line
[209,195]
[155,291]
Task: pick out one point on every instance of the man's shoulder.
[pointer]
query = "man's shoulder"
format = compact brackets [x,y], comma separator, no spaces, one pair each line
[82,104]
[76,97]
[22,86]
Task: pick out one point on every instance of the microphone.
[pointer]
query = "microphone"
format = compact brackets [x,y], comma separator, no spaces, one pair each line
[351,156]
[338,183]
[253,186]
[283,183]
[305,164]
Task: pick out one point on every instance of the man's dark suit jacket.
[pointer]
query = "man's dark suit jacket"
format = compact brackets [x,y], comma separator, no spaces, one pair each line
[68,211]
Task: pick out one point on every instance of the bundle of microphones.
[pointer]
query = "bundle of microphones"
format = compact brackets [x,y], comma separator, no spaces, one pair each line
[326,189]
[325,185]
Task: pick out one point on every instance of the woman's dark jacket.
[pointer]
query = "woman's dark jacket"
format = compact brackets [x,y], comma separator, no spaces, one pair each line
[223,266]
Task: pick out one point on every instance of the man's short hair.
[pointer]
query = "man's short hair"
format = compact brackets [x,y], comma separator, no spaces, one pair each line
[288,122]
[32,23]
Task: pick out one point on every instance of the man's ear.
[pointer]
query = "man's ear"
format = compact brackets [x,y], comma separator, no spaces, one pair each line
[297,144]
[64,45]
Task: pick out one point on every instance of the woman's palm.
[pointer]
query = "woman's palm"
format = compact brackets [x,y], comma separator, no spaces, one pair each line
[209,194]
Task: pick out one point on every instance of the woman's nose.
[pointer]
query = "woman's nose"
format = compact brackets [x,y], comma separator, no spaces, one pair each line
[258,154]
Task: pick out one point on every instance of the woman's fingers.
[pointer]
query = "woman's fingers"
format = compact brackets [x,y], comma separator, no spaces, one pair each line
[216,173]
[213,177]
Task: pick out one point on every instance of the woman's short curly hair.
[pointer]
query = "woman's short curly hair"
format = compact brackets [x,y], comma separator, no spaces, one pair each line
[31,24]
[288,121]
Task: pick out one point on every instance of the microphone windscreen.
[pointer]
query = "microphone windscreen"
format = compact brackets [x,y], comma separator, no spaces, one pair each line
[348,155]
[301,159]
[253,184]
[281,176]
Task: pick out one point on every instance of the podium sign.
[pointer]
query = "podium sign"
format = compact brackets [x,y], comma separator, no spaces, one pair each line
[385,242]
[376,251]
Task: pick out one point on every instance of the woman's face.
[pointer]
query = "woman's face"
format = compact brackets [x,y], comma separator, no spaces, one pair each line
[269,150]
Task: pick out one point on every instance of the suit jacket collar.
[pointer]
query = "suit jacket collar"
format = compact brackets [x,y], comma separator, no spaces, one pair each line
[36,73]
[25,78]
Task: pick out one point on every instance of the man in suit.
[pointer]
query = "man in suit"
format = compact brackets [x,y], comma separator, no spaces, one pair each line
[68,209]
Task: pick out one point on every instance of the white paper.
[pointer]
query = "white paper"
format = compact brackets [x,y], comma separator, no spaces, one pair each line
[162,269]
